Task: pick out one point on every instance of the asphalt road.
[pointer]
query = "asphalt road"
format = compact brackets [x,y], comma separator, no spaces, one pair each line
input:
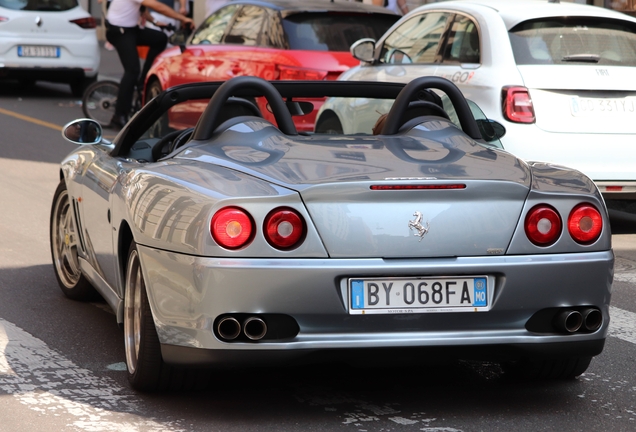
[61,361]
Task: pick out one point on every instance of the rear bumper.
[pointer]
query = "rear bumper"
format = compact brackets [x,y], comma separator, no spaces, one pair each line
[65,75]
[605,158]
[188,293]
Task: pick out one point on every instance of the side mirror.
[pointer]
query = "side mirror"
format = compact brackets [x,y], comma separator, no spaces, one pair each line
[83,131]
[363,50]
[179,38]
[490,129]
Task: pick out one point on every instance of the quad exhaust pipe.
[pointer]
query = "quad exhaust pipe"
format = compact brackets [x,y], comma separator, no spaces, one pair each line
[592,319]
[229,328]
[569,321]
[572,321]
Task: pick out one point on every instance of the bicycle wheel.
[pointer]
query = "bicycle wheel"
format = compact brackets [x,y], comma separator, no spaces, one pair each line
[98,102]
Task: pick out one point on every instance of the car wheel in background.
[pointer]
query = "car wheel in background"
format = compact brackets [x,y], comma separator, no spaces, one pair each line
[64,245]
[330,125]
[152,91]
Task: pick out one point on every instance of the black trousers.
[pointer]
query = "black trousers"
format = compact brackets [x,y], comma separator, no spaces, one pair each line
[125,40]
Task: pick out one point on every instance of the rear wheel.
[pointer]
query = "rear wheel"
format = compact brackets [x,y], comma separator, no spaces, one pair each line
[98,102]
[64,238]
[143,351]
[559,368]
[146,369]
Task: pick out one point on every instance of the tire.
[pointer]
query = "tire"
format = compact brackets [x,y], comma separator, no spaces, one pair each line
[146,369]
[98,101]
[141,342]
[64,238]
[330,125]
[556,369]
[152,91]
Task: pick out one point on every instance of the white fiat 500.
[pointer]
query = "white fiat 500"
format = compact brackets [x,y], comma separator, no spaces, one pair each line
[561,78]
[49,40]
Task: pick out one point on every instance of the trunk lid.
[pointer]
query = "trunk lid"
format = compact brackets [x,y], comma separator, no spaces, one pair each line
[586,99]
[338,177]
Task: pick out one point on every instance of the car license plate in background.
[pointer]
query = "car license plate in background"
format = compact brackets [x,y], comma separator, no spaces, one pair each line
[580,107]
[418,295]
[38,51]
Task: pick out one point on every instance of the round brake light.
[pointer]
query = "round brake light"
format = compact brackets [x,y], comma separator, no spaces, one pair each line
[585,224]
[232,227]
[543,225]
[284,228]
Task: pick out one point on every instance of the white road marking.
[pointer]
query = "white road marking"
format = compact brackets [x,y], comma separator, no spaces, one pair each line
[48,383]
[622,324]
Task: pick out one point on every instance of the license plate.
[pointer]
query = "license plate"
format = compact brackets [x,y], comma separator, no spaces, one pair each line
[580,107]
[38,51]
[418,295]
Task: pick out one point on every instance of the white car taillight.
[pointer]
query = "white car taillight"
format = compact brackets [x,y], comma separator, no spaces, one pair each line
[585,224]
[85,23]
[543,225]
[517,105]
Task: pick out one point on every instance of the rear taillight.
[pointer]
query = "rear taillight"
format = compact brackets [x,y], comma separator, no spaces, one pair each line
[85,23]
[543,225]
[232,227]
[517,105]
[293,73]
[284,228]
[585,224]
[3,19]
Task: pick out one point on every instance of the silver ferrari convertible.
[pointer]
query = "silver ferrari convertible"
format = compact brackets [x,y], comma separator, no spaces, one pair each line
[221,239]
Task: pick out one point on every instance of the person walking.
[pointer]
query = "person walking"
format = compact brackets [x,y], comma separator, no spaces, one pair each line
[125,34]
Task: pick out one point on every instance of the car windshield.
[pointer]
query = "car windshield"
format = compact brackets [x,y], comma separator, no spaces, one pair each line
[334,31]
[574,41]
[39,5]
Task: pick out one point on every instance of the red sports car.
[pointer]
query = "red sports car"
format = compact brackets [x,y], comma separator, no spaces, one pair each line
[274,40]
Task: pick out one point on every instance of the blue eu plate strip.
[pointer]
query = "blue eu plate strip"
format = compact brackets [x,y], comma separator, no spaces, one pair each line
[481,299]
[357,294]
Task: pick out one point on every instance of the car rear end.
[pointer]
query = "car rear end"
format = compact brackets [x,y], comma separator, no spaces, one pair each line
[47,40]
[388,248]
[576,102]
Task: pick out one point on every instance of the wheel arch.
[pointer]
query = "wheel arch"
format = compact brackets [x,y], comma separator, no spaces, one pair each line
[327,115]
[124,239]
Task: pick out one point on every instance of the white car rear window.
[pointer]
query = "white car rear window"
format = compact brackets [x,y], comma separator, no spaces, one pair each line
[574,41]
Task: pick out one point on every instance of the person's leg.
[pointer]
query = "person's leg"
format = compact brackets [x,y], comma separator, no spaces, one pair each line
[126,45]
[157,42]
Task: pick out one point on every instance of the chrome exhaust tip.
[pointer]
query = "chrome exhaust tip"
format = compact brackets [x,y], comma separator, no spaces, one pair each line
[254,328]
[592,319]
[569,321]
[229,328]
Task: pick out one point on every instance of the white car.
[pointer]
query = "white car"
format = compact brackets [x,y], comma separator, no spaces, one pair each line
[561,78]
[49,40]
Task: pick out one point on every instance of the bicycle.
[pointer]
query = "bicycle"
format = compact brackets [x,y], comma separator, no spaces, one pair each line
[100,98]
